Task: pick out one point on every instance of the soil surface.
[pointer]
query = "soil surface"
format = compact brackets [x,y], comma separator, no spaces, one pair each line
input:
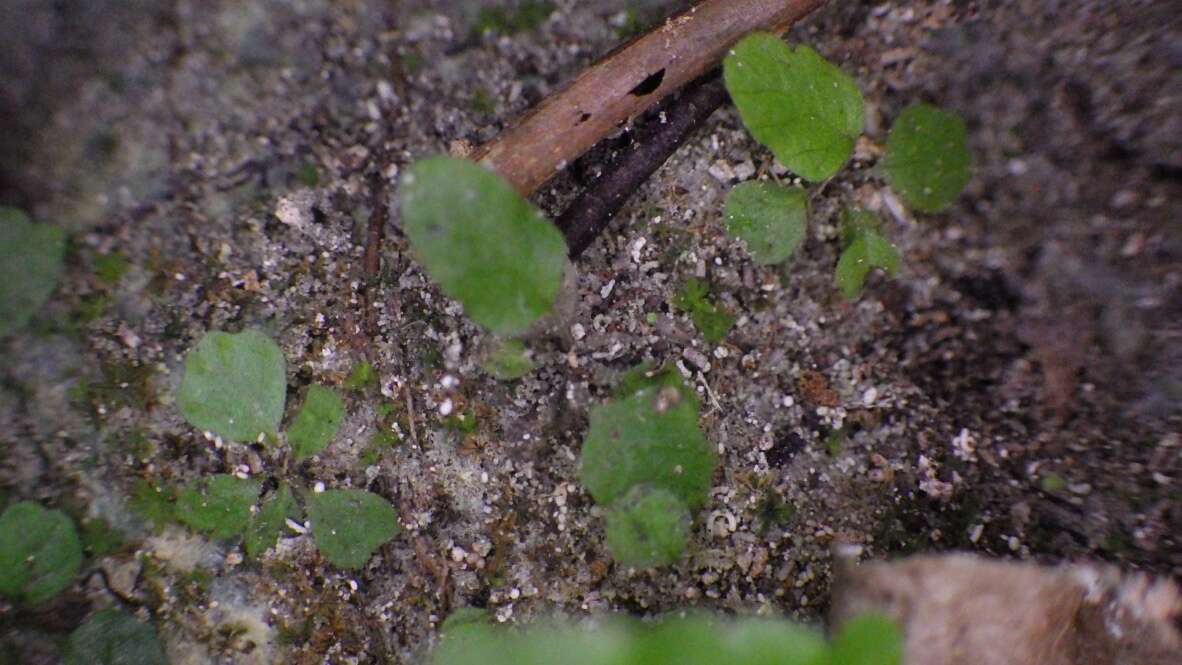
[1015,390]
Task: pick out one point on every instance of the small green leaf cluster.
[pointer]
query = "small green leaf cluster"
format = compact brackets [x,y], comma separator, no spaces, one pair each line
[865,249]
[40,552]
[710,318]
[697,638]
[527,15]
[646,459]
[31,258]
[810,114]
[235,386]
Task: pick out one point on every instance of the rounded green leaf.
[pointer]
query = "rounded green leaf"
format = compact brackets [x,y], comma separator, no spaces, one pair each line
[235,385]
[219,505]
[651,436]
[648,527]
[317,421]
[30,263]
[792,100]
[693,639]
[867,250]
[927,157]
[349,525]
[770,218]
[870,639]
[40,552]
[266,525]
[483,243]
[770,642]
[114,637]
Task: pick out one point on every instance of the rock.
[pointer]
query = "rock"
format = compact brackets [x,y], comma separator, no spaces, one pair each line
[962,609]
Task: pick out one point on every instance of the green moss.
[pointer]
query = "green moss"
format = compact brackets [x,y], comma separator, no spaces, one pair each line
[110,268]
[413,61]
[711,319]
[99,537]
[154,502]
[528,15]
[363,376]
[464,423]
[90,307]
[834,442]
[773,510]
[483,101]
[1052,483]
[308,174]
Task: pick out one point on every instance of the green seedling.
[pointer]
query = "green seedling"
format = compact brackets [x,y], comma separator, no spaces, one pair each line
[709,318]
[363,376]
[646,459]
[40,552]
[235,385]
[792,100]
[770,218]
[649,437]
[509,360]
[868,640]
[110,268]
[865,250]
[642,376]
[528,15]
[99,537]
[771,641]
[694,639]
[464,423]
[31,257]
[648,527]
[834,442]
[927,157]
[114,637]
[1052,483]
[219,505]
[349,525]
[267,524]
[482,242]
[465,617]
[483,101]
[154,503]
[308,174]
[317,421]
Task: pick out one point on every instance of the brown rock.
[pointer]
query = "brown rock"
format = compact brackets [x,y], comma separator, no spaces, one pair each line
[966,610]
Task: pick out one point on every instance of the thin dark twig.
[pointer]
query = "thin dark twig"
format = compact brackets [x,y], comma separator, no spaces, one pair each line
[371,262]
[591,212]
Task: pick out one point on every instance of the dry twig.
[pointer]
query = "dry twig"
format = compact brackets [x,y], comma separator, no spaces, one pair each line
[589,214]
[628,81]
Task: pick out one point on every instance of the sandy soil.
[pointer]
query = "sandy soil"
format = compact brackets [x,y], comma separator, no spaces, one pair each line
[1014,391]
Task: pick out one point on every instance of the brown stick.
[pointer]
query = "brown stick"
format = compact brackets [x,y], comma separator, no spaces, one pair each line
[628,81]
[588,215]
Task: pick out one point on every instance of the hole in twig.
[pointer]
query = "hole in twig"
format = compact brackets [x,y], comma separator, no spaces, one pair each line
[583,118]
[650,84]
